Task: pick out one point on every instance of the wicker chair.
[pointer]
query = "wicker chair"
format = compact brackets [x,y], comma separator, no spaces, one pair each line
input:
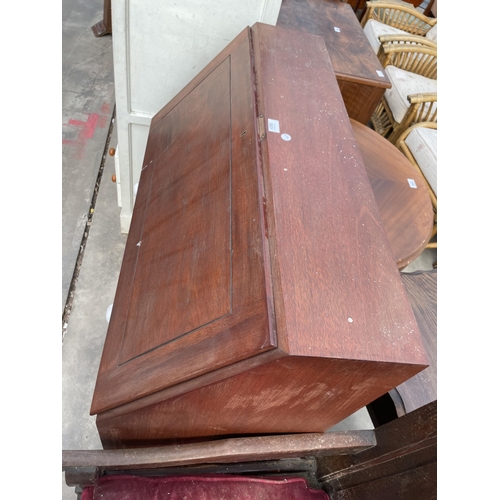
[394,18]
[412,70]
[419,144]
[403,40]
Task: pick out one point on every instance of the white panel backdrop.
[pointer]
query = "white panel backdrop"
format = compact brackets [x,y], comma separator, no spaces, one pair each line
[159,46]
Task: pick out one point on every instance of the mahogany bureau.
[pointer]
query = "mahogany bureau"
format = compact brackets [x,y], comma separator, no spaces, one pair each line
[360,76]
[258,293]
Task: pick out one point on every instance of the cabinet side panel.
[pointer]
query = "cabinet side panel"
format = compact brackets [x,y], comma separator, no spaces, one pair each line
[290,395]
[360,99]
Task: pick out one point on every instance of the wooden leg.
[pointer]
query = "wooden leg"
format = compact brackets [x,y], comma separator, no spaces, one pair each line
[427,11]
[104,27]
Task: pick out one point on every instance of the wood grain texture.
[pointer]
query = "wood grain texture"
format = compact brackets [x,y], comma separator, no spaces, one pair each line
[422,292]
[406,212]
[176,260]
[201,281]
[338,292]
[224,451]
[398,459]
[419,483]
[353,59]
[294,394]
[319,323]
[403,445]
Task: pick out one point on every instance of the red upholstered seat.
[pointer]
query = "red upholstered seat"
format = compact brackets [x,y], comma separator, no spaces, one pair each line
[201,488]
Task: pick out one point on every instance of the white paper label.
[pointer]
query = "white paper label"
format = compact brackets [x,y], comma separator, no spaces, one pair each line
[336,29]
[380,73]
[273,125]
[412,183]
[286,137]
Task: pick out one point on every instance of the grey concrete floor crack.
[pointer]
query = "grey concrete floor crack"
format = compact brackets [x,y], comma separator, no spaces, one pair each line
[90,215]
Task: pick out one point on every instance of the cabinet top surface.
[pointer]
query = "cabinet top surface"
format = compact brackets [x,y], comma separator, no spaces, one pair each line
[338,292]
[351,54]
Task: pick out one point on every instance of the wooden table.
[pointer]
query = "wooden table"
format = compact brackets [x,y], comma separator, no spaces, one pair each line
[356,65]
[406,211]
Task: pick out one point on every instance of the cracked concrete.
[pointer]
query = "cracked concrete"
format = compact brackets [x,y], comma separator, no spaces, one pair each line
[87,106]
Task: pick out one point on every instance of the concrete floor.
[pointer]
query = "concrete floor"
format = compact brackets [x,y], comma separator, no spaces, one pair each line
[87,105]
[88,101]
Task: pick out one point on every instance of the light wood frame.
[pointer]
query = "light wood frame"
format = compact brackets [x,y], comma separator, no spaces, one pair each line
[398,15]
[415,58]
[400,39]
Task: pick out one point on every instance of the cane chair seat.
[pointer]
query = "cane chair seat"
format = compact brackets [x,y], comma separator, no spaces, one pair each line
[405,83]
[412,70]
[396,18]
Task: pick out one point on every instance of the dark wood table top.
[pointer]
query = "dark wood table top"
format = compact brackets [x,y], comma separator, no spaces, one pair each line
[352,56]
[422,292]
[406,211]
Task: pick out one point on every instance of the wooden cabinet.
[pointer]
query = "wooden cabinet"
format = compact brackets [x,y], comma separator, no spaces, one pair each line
[258,292]
[361,77]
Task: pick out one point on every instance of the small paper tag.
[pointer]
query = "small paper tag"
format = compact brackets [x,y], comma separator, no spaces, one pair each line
[380,73]
[336,29]
[273,125]
[412,183]
[286,137]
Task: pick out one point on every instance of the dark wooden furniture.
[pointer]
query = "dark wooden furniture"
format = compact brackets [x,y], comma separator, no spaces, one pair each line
[406,211]
[402,466]
[258,293]
[396,460]
[104,27]
[361,78]
[358,6]
[421,389]
[429,10]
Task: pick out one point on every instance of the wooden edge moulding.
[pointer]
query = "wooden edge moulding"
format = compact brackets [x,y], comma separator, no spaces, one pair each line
[396,460]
